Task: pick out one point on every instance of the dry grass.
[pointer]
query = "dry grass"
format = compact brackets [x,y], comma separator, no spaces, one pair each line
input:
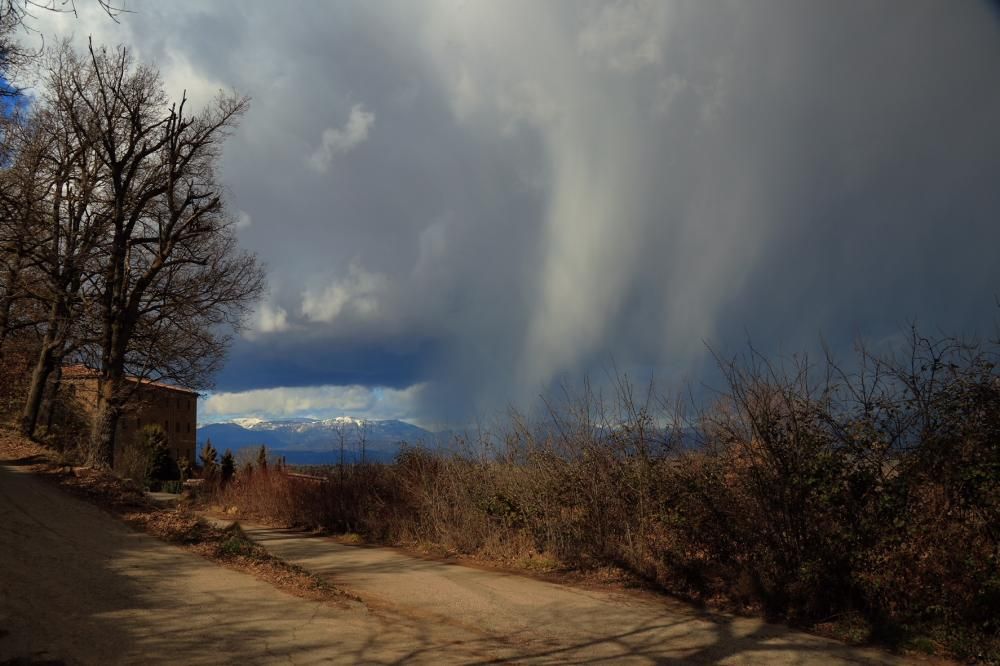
[864,504]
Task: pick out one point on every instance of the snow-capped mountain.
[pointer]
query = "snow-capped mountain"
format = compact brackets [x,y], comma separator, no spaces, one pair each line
[292,437]
[248,422]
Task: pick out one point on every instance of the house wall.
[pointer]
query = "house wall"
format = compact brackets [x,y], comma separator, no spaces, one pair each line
[174,410]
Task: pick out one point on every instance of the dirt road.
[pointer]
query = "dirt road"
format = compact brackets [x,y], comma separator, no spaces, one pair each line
[550,622]
[78,586]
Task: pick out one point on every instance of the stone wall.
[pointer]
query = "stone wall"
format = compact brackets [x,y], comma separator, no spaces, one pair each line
[173,409]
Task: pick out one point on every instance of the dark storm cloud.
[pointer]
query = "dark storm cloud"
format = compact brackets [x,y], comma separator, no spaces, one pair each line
[480,198]
[271,363]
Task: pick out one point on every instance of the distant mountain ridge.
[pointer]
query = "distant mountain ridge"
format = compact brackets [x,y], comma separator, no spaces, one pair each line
[316,441]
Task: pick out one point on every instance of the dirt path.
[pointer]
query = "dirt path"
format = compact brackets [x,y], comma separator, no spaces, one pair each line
[78,586]
[548,622]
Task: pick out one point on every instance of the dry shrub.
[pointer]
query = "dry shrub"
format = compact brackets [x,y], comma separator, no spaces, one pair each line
[875,491]
[809,491]
[134,461]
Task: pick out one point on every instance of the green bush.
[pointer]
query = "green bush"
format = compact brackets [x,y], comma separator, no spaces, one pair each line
[146,459]
[163,467]
[209,461]
[227,468]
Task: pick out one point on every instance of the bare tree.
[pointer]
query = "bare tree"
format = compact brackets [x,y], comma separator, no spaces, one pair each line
[22,199]
[363,428]
[71,224]
[342,440]
[170,281]
[186,313]
[13,56]
[16,18]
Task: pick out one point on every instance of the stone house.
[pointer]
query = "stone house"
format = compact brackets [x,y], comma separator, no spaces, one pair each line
[173,408]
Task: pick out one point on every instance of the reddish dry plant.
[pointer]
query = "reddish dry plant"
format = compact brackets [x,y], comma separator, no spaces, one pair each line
[807,492]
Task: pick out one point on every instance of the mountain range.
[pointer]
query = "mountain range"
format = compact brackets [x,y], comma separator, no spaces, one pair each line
[317,441]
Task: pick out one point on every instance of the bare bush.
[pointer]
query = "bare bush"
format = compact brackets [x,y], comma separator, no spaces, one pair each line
[808,490]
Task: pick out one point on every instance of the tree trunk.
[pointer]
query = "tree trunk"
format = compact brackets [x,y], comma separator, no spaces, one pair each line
[111,396]
[7,302]
[46,415]
[39,379]
[113,343]
[51,354]
[102,439]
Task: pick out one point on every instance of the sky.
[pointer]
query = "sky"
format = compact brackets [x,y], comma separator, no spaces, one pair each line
[463,204]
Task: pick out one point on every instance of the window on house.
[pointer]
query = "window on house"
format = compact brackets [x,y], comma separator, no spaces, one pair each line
[188,427]
[177,427]
[166,425]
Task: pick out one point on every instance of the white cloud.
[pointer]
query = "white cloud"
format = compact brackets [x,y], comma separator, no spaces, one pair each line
[357,294]
[336,141]
[625,36]
[271,318]
[466,96]
[668,90]
[268,318]
[670,166]
[182,77]
[596,152]
[243,219]
[312,401]
[180,69]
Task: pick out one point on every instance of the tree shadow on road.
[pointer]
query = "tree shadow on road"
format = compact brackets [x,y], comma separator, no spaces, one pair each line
[79,585]
[637,631]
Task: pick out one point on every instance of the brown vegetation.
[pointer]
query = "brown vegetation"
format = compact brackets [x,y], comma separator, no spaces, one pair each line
[866,500]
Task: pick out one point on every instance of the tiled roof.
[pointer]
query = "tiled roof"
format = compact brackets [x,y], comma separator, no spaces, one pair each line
[80,371]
